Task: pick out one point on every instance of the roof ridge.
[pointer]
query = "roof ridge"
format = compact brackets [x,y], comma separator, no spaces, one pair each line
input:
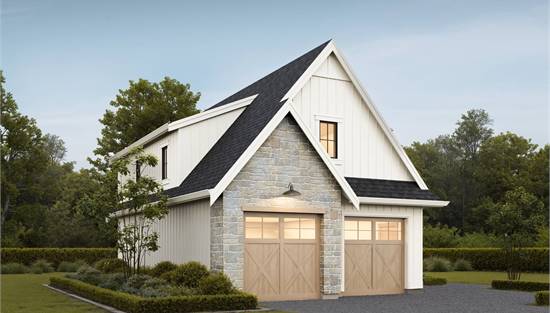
[250,123]
[249,90]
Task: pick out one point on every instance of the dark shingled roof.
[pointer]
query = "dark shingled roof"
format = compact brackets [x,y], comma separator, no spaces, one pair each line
[382,188]
[227,150]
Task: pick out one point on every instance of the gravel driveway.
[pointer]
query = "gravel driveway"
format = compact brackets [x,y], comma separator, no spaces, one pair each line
[451,298]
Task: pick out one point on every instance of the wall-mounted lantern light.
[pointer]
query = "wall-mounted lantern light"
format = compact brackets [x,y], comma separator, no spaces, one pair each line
[291,192]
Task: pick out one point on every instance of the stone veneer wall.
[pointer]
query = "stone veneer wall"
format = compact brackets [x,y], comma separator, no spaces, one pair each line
[286,156]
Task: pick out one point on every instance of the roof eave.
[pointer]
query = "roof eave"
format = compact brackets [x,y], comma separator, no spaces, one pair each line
[404,202]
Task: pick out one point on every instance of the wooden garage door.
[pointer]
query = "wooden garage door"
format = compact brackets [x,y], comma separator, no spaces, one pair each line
[281,260]
[373,256]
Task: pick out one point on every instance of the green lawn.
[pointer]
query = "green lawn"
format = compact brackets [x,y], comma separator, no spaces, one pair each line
[25,293]
[484,278]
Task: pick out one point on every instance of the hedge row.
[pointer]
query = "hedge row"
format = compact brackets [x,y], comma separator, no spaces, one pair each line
[519,285]
[434,281]
[134,304]
[55,255]
[542,297]
[493,259]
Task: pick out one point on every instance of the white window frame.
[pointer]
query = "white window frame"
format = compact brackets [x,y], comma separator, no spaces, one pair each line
[318,118]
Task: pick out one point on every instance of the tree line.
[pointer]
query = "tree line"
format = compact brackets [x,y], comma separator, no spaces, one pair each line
[497,185]
[45,201]
[491,180]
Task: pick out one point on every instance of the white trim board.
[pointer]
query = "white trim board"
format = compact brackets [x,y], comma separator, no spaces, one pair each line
[190,120]
[197,195]
[404,202]
[331,48]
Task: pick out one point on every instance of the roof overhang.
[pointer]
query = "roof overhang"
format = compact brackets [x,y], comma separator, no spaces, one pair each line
[404,202]
[198,195]
[193,119]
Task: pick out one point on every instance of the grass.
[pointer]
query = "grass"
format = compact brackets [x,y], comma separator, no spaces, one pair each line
[485,278]
[22,293]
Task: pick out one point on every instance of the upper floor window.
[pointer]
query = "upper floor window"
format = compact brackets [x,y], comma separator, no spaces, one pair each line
[164,163]
[138,169]
[328,136]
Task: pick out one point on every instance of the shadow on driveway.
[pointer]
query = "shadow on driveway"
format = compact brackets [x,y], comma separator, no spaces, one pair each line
[451,298]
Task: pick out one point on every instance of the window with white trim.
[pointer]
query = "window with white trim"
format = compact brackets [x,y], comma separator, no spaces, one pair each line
[328,136]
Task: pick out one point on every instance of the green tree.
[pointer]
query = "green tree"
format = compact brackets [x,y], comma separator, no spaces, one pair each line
[516,220]
[140,109]
[22,153]
[141,202]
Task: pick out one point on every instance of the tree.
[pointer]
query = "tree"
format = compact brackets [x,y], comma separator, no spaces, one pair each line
[142,203]
[517,220]
[142,108]
[22,153]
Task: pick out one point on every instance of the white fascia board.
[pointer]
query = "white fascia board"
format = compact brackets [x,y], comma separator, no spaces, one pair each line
[404,202]
[142,141]
[309,72]
[193,119]
[248,153]
[331,48]
[197,195]
[348,191]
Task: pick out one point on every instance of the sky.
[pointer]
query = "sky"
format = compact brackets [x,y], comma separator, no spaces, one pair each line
[423,63]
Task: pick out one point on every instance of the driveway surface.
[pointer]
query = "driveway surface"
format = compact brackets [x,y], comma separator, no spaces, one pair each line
[451,298]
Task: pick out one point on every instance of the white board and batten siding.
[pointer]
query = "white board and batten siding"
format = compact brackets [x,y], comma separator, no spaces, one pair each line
[184,234]
[186,147]
[363,148]
[196,140]
[412,217]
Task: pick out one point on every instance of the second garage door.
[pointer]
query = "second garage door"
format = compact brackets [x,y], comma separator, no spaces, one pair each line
[281,258]
[373,256]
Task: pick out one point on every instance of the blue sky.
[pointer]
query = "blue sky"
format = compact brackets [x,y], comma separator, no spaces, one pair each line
[422,62]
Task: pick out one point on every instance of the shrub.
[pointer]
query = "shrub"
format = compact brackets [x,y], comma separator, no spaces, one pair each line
[462,265]
[154,283]
[88,275]
[135,304]
[14,268]
[436,264]
[493,259]
[136,281]
[111,265]
[433,281]
[187,275]
[478,240]
[541,297]
[519,285]
[68,267]
[162,267]
[215,284]
[113,281]
[55,256]
[41,266]
[36,270]
[439,236]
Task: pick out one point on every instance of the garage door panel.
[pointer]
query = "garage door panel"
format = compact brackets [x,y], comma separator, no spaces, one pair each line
[388,267]
[299,272]
[373,256]
[262,261]
[281,256]
[358,264]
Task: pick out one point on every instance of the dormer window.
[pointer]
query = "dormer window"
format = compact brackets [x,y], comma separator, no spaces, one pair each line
[328,136]
[164,162]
